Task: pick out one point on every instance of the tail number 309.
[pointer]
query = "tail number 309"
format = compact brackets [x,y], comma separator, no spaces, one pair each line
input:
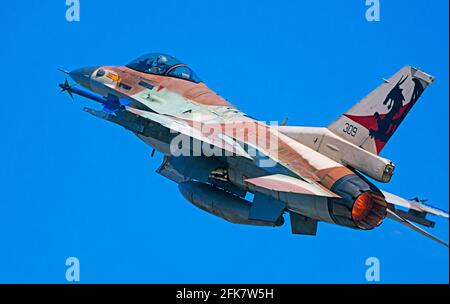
[350,129]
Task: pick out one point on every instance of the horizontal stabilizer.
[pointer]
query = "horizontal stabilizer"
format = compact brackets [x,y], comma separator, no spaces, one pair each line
[398,218]
[284,183]
[413,205]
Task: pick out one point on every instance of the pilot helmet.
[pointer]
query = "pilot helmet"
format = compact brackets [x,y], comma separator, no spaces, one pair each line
[162,59]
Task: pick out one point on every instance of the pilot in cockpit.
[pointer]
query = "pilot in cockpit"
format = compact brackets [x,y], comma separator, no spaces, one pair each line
[163,65]
[160,65]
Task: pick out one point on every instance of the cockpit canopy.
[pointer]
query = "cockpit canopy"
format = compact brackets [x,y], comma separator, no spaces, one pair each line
[163,65]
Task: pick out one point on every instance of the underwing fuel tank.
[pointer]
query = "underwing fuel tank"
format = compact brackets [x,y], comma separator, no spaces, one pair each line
[222,204]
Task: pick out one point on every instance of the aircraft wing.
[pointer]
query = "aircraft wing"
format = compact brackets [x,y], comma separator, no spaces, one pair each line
[183,127]
[223,141]
[272,185]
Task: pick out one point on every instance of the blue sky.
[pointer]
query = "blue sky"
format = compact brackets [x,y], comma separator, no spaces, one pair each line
[73,185]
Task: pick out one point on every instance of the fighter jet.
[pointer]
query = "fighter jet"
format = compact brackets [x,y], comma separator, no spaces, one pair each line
[250,172]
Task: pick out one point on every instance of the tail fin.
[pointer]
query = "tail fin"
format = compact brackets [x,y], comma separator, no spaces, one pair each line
[373,120]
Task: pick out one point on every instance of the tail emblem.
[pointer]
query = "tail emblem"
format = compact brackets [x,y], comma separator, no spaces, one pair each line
[382,126]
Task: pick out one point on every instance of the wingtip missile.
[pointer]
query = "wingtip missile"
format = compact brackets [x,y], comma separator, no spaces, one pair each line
[66,87]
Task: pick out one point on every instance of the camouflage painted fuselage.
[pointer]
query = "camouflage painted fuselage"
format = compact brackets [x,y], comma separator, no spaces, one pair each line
[312,173]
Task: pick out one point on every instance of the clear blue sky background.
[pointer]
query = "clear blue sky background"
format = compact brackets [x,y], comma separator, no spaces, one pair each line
[73,185]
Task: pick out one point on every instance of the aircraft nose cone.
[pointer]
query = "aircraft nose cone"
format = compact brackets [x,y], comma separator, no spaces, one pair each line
[83,76]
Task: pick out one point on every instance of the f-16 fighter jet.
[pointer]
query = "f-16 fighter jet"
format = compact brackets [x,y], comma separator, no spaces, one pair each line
[220,157]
